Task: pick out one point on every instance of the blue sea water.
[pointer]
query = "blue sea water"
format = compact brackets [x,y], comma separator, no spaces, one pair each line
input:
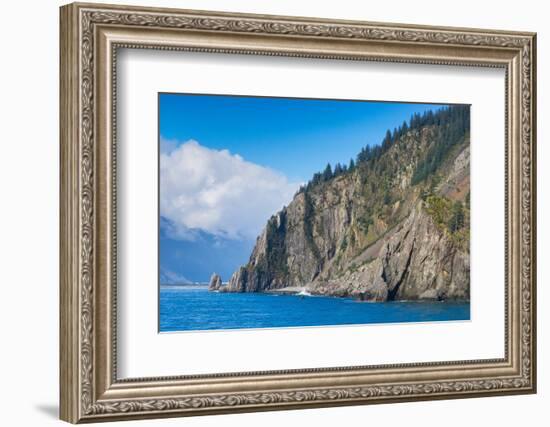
[190,308]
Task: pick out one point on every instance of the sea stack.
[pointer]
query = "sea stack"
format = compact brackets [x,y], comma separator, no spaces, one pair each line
[215,282]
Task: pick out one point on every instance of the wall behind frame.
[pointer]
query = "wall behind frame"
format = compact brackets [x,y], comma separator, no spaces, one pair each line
[29,176]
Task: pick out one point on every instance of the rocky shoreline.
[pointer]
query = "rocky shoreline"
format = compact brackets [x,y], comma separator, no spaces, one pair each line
[393,227]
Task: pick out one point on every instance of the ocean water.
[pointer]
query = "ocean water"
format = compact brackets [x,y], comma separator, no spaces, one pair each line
[189,308]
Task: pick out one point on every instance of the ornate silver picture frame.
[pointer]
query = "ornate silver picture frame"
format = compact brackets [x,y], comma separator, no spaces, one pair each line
[91,34]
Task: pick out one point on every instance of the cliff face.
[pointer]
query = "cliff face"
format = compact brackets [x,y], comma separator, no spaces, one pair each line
[415,261]
[380,231]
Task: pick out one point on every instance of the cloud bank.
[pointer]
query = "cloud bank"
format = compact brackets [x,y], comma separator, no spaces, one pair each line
[217,192]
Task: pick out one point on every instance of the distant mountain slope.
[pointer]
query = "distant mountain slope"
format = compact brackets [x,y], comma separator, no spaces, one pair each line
[392,225]
[195,259]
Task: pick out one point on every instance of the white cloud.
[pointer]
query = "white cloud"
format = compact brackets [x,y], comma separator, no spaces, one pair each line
[167,145]
[218,192]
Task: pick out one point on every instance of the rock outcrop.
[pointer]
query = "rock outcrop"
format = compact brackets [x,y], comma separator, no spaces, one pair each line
[215,282]
[416,261]
[393,227]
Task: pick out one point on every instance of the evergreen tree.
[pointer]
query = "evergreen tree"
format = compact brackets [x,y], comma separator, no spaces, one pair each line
[456,222]
[452,124]
[394,135]
[327,174]
[364,155]
[430,118]
[404,128]
[387,140]
[316,178]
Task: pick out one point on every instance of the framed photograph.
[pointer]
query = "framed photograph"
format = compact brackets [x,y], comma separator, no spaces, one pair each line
[265,212]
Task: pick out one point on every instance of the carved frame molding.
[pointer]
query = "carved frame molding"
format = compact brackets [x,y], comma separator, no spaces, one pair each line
[90,37]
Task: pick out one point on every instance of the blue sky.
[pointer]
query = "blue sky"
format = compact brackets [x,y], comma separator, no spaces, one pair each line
[227,163]
[294,136]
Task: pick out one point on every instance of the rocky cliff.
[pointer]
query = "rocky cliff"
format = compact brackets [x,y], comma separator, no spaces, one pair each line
[215,282]
[393,226]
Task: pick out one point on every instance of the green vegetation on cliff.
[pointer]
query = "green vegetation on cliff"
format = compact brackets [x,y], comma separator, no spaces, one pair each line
[450,125]
[391,224]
